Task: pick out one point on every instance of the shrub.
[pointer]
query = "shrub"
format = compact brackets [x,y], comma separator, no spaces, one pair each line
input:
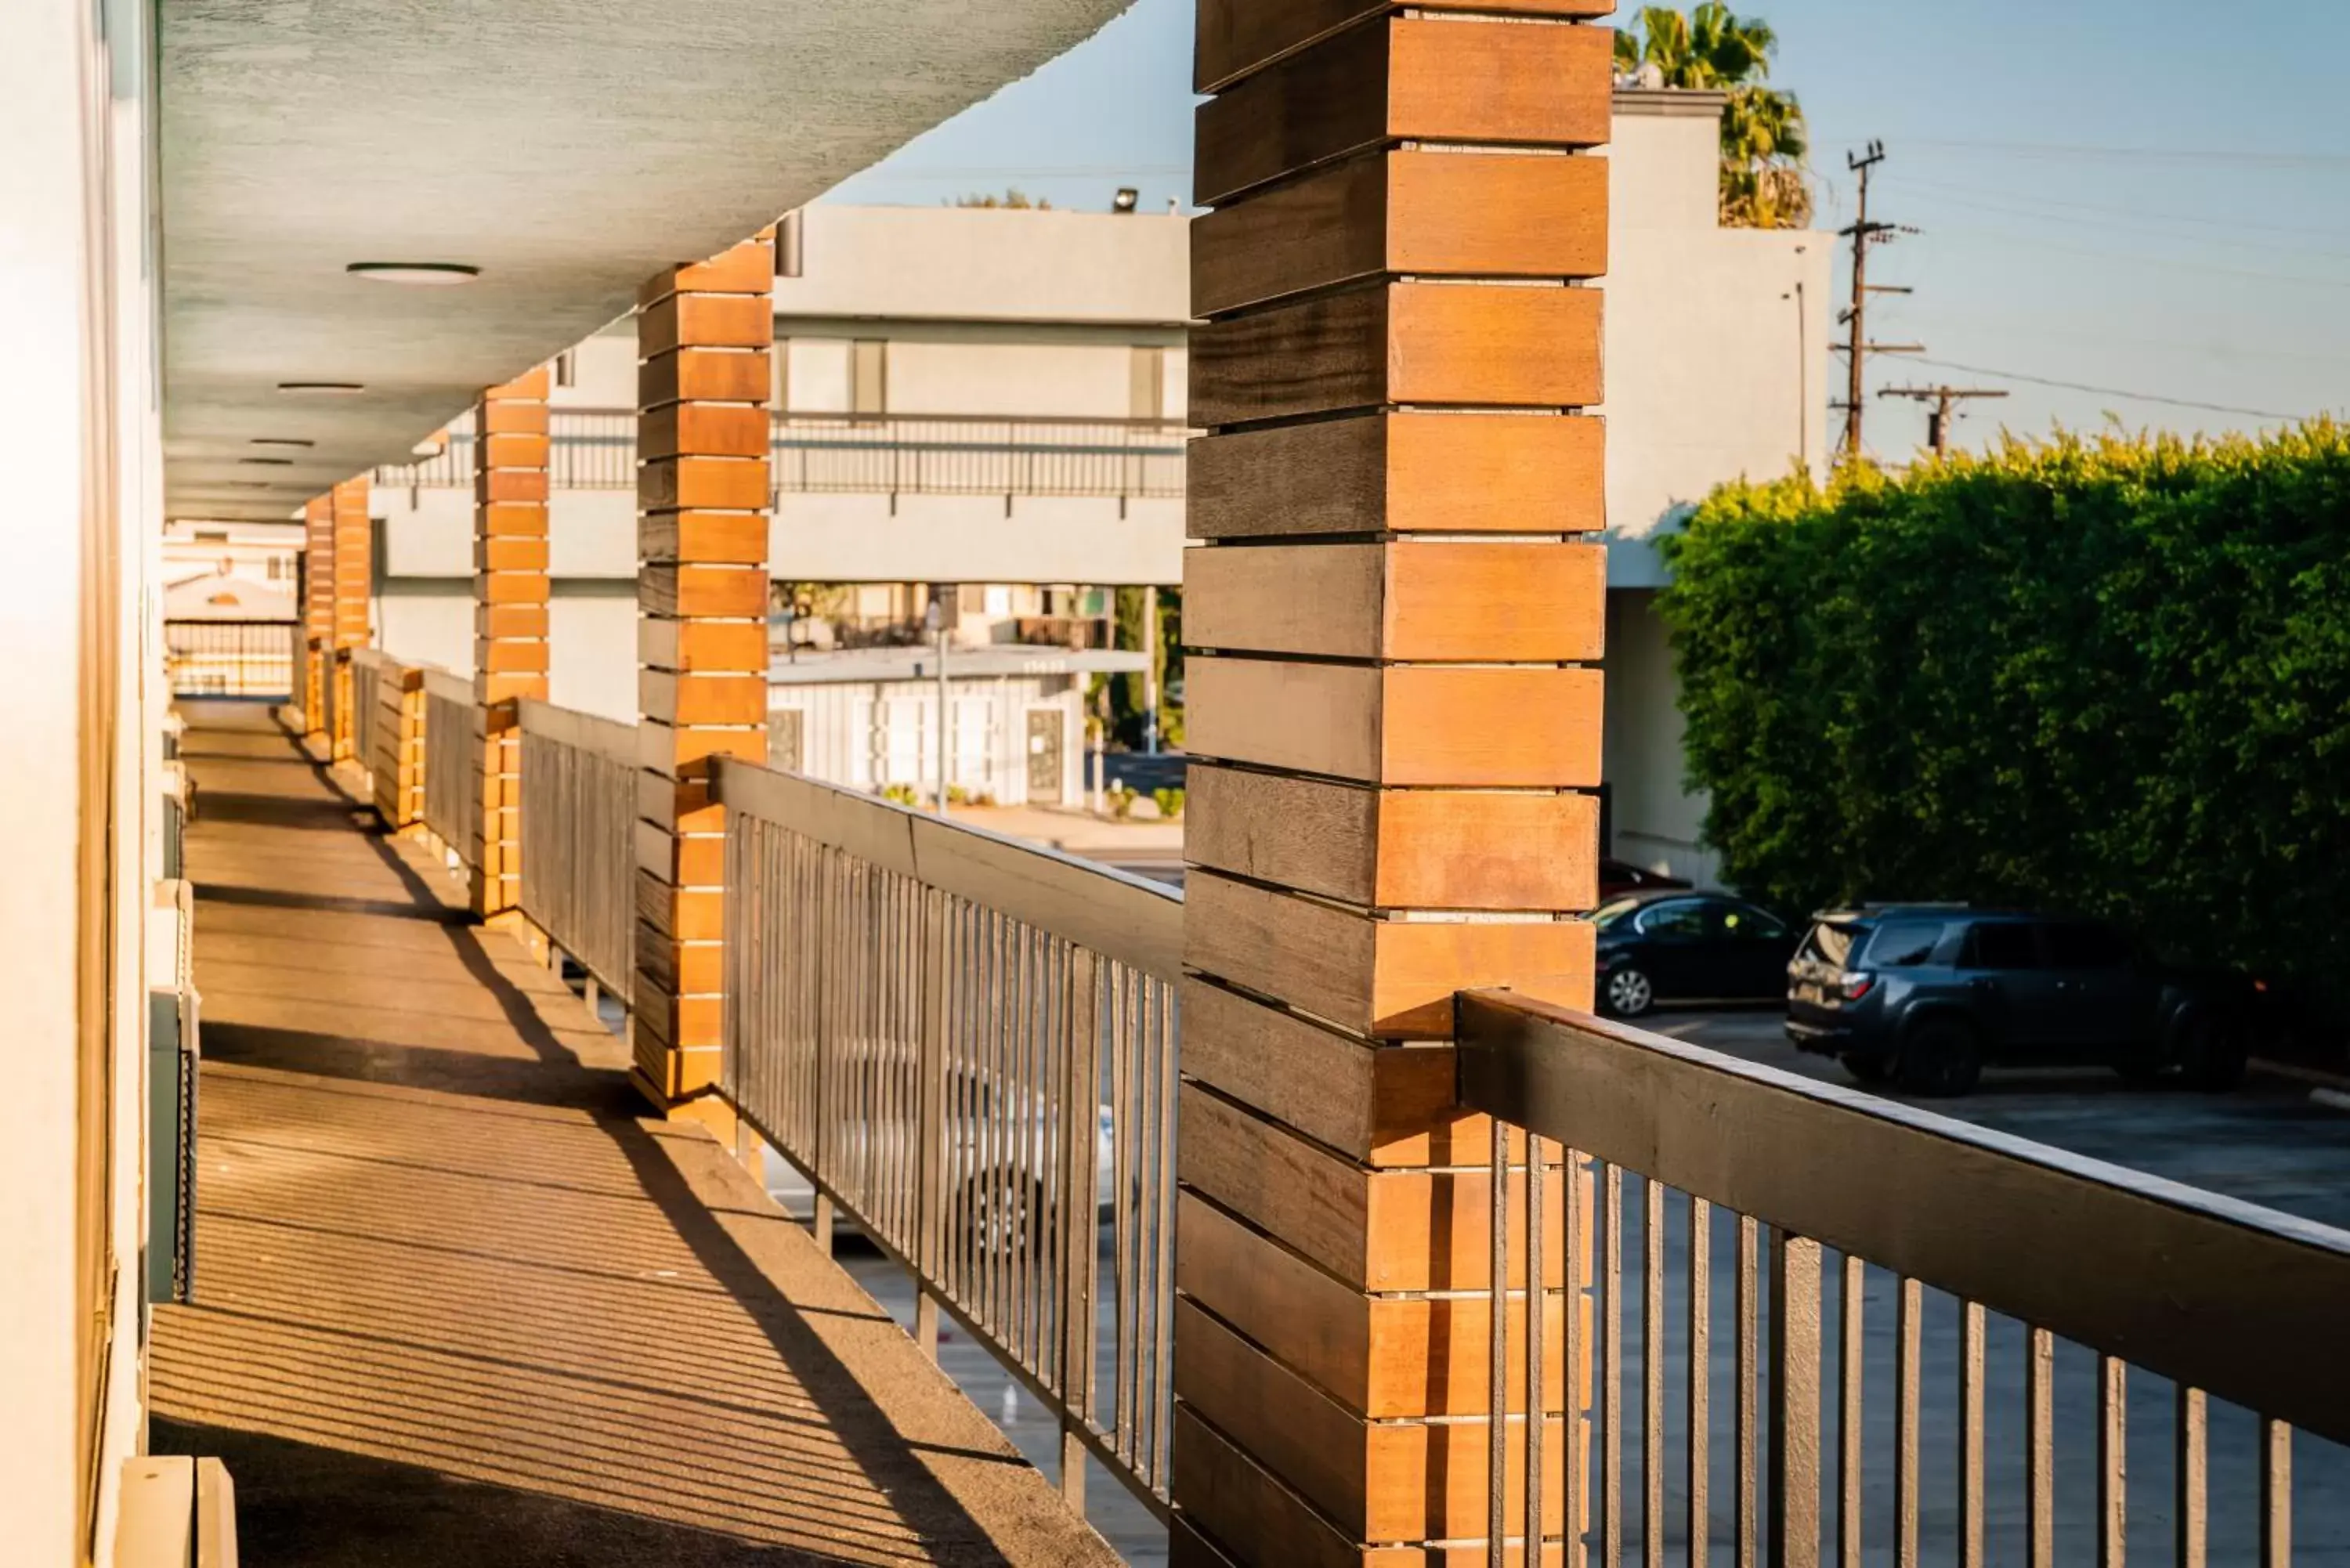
[2111,675]
[1169,802]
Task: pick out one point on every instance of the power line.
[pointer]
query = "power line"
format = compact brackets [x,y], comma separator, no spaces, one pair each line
[2067,204]
[1858,347]
[2113,391]
[2327,161]
[1944,413]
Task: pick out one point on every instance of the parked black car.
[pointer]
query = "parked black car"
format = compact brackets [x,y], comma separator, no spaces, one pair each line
[1667,945]
[1926,994]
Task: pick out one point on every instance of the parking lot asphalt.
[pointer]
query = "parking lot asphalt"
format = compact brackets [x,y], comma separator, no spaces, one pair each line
[2268,1142]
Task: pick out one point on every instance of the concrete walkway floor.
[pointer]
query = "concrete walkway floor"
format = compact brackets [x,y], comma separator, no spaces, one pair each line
[458,1300]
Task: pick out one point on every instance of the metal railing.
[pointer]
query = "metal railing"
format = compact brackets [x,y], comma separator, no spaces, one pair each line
[1688,1161]
[453,800]
[231,658]
[968,1045]
[923,454]
[579,840]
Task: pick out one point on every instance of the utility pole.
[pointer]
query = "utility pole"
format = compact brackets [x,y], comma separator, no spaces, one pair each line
[1944,413]
[1858,347]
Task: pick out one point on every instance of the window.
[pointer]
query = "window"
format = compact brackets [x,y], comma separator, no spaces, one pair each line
[1905,944]
[566,370]
[2010,944]
[1614,912]
[1147,383]
[868,376]
[2086,946]
[779,375]
[1745,923]
[1679,919]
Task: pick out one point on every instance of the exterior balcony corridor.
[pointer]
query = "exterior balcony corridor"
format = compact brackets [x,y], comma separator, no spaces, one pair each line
[457,1300]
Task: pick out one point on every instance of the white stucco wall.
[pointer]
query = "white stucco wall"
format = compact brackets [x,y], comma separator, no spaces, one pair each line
[969,264]
[1653,820]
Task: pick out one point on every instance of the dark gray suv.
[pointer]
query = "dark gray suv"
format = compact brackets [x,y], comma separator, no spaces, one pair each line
[1926,994]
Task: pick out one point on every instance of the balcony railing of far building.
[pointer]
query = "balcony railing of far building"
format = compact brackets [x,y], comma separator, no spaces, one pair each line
[872,455]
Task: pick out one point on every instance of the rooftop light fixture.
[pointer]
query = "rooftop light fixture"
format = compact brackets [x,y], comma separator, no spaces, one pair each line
[1125,200]
[320,389]
[421,275]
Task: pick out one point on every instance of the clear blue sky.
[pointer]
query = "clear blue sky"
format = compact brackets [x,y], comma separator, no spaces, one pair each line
[2140,195]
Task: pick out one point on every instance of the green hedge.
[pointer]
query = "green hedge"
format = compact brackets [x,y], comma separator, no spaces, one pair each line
[2108,675]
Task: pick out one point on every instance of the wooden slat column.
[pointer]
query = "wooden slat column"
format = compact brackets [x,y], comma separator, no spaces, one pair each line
[510,620]
[1392,609]
[354,572]
[703,337]
[318,610]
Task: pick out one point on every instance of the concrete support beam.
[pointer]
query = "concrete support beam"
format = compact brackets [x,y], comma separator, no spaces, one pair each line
[353,572]
[510,619]
[705,333]
[1393,604]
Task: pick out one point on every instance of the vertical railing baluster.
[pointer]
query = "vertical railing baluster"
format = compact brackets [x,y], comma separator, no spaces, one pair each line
[1079,1179]
[2113,1461]
[1794,1457]
[1851,1408]
[1909,1314]
[932,1127]
[2188,1473]
[1537,1379]
[1497,1351]
[1971,1434]
[2040,1449]
[1746,1541]
[1573,1373]
[2276,1494]
[1700,1379]
[1609,1224]
[1652,1373]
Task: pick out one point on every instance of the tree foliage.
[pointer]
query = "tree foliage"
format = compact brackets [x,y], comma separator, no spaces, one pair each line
[2110,675]
[1764,144]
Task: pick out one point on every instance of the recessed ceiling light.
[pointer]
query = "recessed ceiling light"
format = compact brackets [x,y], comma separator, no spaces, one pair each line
[426,274]
[281,440]
[267,462]
[320,389]
[246,485]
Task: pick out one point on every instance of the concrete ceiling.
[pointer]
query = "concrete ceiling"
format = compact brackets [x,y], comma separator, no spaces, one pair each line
[568,147]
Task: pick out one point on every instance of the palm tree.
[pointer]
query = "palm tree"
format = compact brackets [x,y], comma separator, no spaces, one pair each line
[1763,144]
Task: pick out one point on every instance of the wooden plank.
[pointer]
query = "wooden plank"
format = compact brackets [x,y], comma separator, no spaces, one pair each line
[746,268]
[1491,728]
[703,591]
[1385,1105]
[1385,1231]
[1433,214]
[710,697]
[1401,473]
[1420,849]
[1403,79]
[716,375]
[1411,724]
[702,644]
[1390,978]
[1236,36]
[603,737]
[688,483]
[703,429]
[705,321]
[1465,345]
[711,538]
[1233,1498]
[1420,601]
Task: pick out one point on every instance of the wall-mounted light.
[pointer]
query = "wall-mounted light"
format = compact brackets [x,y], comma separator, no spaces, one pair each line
[1125,200]
[420,275]
[321,388]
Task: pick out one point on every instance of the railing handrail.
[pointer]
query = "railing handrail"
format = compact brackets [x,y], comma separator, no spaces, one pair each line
[439,683]
[2248,1303]
[608,737]
[1131,919]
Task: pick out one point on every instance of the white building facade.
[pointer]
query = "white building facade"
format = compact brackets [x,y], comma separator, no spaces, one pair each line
[993,399]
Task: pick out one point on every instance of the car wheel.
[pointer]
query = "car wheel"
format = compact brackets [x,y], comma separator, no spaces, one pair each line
[1940,1058]
[1629,992]
[1003,1211]
[2214,1055]
[1866,1067]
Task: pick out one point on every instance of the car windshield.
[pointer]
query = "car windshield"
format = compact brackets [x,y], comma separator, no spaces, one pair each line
[1613,912]
[1832,943]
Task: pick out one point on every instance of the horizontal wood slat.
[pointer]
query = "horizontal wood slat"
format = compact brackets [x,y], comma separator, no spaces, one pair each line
[1426,600]
[1468,344]
[1234,38]
[1401,473]
[1416,849]
[1452,80]
[1427,213]
[1408,724]
[715,375]
[1391,977]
